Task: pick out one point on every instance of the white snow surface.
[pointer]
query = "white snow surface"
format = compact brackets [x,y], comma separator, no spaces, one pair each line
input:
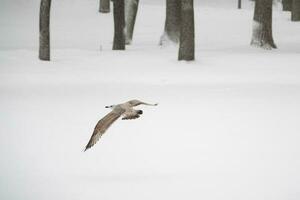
[226,128]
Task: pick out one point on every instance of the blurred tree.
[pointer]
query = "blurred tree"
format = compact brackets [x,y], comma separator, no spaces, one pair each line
[104,6]
[44,46]
[131,7]
[172,22]
[286,5]
[119,25]
[187,31]
[262,25]
[239,4]
[296,10]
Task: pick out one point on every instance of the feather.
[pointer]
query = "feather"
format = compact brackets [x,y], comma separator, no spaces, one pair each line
[102,126]
[132,114]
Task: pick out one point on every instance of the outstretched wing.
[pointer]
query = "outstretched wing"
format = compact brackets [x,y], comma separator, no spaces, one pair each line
[102,126]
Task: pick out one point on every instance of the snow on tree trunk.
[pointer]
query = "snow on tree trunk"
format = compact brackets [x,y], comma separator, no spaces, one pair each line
[296,10]
[187,31]
[119,22]
[262,25]
[104,6]
[44,47]
[172,22]
[131,7]
[286,5]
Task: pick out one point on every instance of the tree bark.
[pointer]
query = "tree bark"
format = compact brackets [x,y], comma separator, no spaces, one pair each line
[187,31]
[286,5]
[44,46]
[131,8]
[296,10]
[104,6]
[172,22]
[239,4]
[262,25]
[119,21]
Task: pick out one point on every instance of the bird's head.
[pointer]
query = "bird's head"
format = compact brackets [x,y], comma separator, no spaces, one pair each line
[112,106]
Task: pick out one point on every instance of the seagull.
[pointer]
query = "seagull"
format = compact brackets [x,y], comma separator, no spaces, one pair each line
[125,109]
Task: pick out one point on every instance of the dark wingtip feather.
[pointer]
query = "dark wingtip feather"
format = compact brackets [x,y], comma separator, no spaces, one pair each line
[140,112]
[87,147]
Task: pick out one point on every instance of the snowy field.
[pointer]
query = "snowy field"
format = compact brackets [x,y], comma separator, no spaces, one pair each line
[226,128]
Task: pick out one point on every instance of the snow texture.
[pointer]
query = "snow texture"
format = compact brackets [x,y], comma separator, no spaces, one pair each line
[226,127]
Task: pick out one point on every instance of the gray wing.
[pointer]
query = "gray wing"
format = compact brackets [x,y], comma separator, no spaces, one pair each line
[102,126]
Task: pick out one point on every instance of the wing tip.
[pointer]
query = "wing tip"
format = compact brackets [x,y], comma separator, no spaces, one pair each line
[87,147]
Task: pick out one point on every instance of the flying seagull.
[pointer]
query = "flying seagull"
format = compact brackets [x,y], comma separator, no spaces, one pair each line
[125,109]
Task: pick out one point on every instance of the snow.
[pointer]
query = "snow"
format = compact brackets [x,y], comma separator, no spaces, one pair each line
[227,125]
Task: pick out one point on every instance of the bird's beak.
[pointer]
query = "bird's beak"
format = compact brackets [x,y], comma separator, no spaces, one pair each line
[106,106]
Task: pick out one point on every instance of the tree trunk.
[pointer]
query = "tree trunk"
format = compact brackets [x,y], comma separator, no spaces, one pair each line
[296,10]
[286,5]
[119,21]
[187,31]
[131,7]
[239,4]
[172,23]
[262,25]
[44,48]
[104,6]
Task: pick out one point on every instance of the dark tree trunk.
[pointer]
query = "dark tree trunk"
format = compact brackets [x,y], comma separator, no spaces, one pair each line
[187,31]
[262,27]
[119,21]
[131,8]
[44,48]
[172,23]
[296,10]
[286,5]
[104,6]
[239,4]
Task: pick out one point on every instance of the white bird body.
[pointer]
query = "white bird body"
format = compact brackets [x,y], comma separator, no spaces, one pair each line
[125,109]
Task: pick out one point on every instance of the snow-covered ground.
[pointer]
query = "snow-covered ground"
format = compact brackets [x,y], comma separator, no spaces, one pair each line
[226,128]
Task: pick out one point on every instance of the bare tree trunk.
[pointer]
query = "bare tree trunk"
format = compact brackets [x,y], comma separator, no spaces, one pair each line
[104,6]
[187,31]
[239,4]
[286,5]
[131,8]
[296,10]
[119,21]
[44,48]
[172,23]
[262,25]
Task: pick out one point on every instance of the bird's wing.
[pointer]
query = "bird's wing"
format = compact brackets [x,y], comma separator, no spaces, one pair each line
[103,125]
